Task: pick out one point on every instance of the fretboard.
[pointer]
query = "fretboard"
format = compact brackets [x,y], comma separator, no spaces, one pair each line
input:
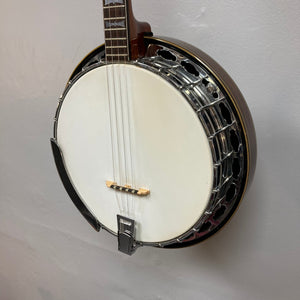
[116,30]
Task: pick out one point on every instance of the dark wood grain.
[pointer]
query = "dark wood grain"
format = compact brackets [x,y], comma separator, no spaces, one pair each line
[122,29]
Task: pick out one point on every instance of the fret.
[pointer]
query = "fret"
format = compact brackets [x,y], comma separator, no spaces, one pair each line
[116,39]
[114,29]
[116,55]
[114,6]
[114,18]
[116,47]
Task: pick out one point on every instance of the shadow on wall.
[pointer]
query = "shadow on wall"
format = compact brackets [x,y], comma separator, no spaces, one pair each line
[232,250]
[239,234]
[256,251]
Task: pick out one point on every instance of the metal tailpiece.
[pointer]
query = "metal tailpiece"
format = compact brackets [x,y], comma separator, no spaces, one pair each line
[126,235]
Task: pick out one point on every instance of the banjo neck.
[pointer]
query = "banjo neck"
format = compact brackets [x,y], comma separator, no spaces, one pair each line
[124,35]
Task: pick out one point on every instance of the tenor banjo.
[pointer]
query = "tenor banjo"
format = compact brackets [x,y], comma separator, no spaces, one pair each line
[153,141]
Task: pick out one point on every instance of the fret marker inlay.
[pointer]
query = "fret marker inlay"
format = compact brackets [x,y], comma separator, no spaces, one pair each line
[115,24]
[108,2]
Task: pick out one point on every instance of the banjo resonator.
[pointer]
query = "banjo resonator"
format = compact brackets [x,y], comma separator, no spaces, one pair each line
[152,113]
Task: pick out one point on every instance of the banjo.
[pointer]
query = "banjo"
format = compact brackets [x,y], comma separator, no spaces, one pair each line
[153,141]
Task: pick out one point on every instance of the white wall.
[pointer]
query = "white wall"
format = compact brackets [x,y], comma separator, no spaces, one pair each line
[48,251]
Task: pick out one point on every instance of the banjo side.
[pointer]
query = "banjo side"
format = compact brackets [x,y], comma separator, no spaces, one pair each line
[210,103]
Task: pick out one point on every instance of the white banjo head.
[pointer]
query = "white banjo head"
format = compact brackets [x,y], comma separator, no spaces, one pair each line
[123,124]
[159,150]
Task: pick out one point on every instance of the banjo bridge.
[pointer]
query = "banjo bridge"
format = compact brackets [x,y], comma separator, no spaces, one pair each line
[127,189]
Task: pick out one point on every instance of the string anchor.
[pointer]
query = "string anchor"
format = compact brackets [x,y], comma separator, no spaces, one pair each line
[126,235]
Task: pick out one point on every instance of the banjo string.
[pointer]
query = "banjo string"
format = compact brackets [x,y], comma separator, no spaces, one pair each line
[116,73]
[120,142]
[119,139]
[119,68]
[109,76]
[129,121]
[130,141]
[123,175]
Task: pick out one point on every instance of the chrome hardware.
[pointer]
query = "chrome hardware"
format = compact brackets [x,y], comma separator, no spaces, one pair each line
[126,235]
[204,95]
[199,93]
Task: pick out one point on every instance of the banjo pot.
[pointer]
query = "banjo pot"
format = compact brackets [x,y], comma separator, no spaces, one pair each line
[152,139]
